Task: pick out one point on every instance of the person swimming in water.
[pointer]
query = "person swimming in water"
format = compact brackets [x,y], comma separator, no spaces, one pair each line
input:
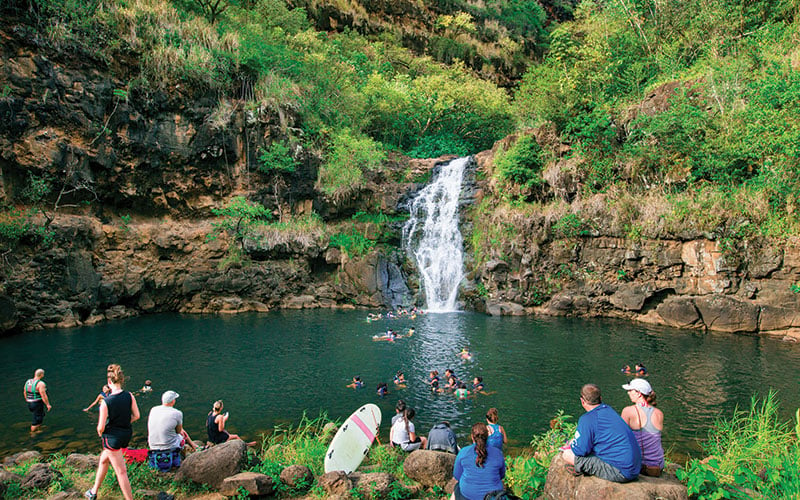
[478,385]
[465,354]
[383,389]
[399,379]
[357,383]
[462,392]
[100,397]
[641,371]
[626,370]
[434,381]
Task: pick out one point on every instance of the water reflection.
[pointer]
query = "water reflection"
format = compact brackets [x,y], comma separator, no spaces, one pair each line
[271,368]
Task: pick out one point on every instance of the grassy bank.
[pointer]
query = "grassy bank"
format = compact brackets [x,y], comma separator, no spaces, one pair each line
[752,454]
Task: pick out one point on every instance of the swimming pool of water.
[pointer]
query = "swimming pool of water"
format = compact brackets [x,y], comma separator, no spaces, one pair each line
[271,368]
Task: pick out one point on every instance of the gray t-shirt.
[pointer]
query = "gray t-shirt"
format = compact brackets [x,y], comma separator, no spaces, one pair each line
[161,426]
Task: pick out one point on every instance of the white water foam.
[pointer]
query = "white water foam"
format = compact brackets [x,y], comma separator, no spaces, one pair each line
[432,237]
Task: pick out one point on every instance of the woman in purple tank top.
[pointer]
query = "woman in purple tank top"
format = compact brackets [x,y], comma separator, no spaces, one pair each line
[646,421]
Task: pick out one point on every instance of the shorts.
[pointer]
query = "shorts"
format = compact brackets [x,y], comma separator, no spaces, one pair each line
[592,465]
[411,445]
[116,440]
[37,408]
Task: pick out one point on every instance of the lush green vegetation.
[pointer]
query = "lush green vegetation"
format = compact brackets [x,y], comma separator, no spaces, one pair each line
[752,454]
[682,98]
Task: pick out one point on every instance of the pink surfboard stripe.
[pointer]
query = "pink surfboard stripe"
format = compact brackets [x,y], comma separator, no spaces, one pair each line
[361,425]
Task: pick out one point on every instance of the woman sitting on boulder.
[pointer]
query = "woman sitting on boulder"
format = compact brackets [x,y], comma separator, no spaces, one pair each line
[646,421]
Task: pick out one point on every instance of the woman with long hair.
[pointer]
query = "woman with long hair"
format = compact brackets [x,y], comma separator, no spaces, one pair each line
[479,468]
[117,411]
[497,435]
[404,435]
[647,422]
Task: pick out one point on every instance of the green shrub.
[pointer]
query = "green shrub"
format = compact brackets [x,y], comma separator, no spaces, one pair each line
[343,171]
[571,226]
[752,453]
[527,472]
[522,163]
[240,218]
[277,158]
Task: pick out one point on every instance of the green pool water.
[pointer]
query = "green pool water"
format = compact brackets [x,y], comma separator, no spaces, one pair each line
[271,368]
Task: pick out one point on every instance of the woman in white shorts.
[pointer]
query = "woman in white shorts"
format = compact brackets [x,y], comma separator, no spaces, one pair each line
[404,435]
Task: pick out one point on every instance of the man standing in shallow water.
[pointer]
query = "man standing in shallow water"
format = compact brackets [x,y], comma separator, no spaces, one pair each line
[35,392]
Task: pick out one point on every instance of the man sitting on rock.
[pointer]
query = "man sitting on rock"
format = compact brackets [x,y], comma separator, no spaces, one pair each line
[165,434]
[442,438]
[604,445]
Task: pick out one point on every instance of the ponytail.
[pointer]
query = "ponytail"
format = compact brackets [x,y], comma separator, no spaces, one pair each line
[479,435]
[408,414]
[115,375]
[651,398]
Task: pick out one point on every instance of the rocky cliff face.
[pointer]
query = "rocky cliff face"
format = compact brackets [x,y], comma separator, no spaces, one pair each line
[684,278]
[126,183]
[134,176]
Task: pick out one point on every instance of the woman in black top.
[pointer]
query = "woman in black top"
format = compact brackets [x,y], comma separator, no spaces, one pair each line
[215,424]
[117,412]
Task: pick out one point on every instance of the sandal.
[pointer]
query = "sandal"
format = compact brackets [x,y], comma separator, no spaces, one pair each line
[571,470]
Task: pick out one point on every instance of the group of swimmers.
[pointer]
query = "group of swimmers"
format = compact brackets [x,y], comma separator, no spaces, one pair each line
[398,313]
[461,389]
[638,369]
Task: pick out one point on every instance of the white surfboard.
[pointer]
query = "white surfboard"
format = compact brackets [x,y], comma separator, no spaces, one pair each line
[353,439]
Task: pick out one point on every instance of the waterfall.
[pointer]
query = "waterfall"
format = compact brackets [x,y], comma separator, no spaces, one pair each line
[432,237]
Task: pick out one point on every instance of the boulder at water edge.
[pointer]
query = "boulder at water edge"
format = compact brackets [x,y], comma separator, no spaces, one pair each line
[22,457]
[561,484]
[82,463]
[213,465]
[39,476]
[430,468]
[254,484]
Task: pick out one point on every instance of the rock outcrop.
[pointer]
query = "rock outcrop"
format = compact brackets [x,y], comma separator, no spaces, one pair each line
[561,484]
[213,465]
[430,468]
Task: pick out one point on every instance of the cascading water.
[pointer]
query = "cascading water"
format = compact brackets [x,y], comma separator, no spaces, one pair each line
[432,237]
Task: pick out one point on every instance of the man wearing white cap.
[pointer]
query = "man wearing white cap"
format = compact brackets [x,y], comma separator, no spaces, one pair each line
[165,426]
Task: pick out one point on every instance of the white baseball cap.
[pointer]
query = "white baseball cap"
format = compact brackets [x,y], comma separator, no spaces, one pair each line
[639,384]
[169,397]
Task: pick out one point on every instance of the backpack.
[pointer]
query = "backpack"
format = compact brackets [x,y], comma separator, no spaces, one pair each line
[500,495]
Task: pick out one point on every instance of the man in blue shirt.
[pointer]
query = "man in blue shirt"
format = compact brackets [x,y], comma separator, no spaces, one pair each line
[604,445]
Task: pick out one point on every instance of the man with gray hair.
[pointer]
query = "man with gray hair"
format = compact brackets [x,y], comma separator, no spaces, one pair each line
[166,436]
[35,392]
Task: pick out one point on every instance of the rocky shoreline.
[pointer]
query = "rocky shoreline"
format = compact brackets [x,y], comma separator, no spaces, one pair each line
[224,470]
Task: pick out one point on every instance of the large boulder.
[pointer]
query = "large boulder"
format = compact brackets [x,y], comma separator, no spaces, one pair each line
[373,484]
[562,484]
[297,477]
[335,483]
[82,463]
[679,312]
[724,313]
[213,465]
[22,457]
[39,476]
[254,484]
[430,468]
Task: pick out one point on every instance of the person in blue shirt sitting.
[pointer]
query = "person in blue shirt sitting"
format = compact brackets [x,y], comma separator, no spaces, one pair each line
[604,445]
[479,468]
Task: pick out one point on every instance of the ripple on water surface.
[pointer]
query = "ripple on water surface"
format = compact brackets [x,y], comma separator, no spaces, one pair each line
[271,368]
